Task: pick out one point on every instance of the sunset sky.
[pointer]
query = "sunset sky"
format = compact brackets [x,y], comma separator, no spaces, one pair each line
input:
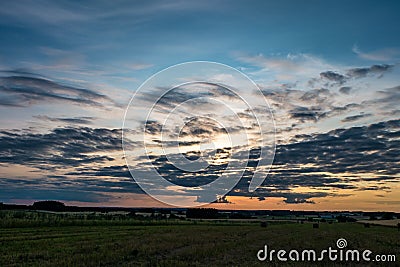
[329,71]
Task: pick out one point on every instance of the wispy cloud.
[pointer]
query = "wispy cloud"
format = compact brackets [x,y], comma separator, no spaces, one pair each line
[23,91]
[303,64]
[356,117]
[74,120]
[387,54]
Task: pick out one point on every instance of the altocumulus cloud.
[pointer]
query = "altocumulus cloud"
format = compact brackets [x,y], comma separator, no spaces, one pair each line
[68,147]
[312,161]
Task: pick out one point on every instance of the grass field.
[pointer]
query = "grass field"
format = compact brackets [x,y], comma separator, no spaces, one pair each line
[183,244]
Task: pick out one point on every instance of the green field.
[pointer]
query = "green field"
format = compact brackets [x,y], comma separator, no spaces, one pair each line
[180,243]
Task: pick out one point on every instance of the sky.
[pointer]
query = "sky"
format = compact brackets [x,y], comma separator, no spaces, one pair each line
[329,71]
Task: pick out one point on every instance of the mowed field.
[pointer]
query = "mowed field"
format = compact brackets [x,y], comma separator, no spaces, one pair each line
[185,244]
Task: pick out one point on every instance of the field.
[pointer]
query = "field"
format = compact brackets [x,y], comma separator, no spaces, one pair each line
[179,243]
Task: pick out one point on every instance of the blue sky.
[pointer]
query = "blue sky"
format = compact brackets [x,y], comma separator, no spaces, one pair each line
[151,32]
[323,66]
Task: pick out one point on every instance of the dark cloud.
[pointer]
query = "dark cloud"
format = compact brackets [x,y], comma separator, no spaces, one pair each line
[21,72]
[354,150]
[153,127]
[303,114]
[321,160]
[333,76]
[345,90]
[340,109]
[74,120]
[198,94]
[314,161]
[22,91]
[219,90]
[305,106]
[317,95]
[339,159]
[175,143]
[200,127]
[373,70]
[67,188]
[60,147]
[356,117]
[105,171]
[189,179]
[61,194]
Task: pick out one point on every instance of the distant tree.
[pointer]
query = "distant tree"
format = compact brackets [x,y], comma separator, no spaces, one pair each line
[387,216]
[202,213]
[239,216]
[49,205]
[173,216]
[342,218]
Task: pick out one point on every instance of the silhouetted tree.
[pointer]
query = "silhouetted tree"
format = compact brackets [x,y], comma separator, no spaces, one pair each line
[49,205]
[342,218]
[202,213]
[387,216]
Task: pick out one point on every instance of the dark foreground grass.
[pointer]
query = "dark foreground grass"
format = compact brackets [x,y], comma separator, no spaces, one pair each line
[184,245]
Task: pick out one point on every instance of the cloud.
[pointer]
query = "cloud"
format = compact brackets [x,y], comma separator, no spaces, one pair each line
[339,159]
[289,65]
[345,90]
[356,73]
[388,98]
[386,54]
[74,120]
[356,117]
[66,147]
[317,96]
[303,114]
[28,193]
[23,91]
[201,127]
[153,127]
[103,171]
[305,106]
[139,66]
[374,69]
[333,76]
[197,93]
[61,13]
[66,188]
